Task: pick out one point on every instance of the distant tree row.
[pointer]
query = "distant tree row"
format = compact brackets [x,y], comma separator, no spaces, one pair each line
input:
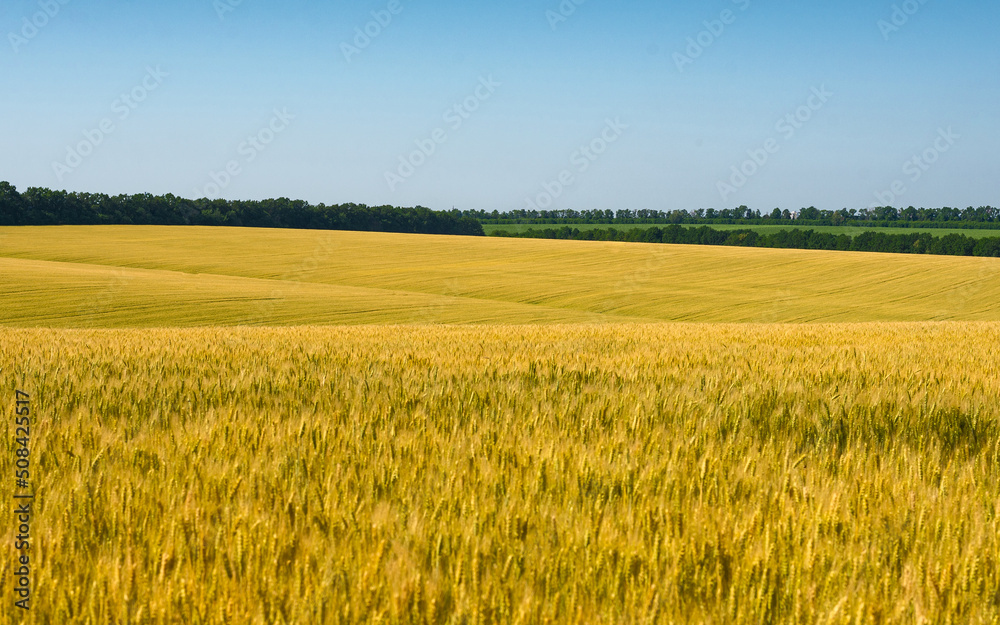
[983,216]
[41,207]
[908,243]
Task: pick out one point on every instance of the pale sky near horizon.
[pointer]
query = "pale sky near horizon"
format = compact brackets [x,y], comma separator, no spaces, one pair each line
[497,106]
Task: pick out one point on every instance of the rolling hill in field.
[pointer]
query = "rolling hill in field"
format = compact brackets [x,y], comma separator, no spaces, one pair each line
[139,276]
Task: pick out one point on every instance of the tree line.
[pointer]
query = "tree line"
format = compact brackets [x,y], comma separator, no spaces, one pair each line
[41,207]
[971,217]
[870,241]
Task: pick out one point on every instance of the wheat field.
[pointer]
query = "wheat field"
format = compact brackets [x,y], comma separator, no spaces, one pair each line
[121,276]
[685,473]
[267,426]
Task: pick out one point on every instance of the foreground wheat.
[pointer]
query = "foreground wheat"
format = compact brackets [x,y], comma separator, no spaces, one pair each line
[602,474]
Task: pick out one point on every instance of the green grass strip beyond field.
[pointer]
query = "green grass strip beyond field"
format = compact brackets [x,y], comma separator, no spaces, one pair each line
[838,230]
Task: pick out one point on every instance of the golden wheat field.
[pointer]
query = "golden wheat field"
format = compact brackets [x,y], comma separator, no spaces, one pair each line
[127,276]
[843,473]
[265,426]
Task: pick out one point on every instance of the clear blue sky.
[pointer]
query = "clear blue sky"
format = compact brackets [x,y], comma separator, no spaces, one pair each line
[541,88]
